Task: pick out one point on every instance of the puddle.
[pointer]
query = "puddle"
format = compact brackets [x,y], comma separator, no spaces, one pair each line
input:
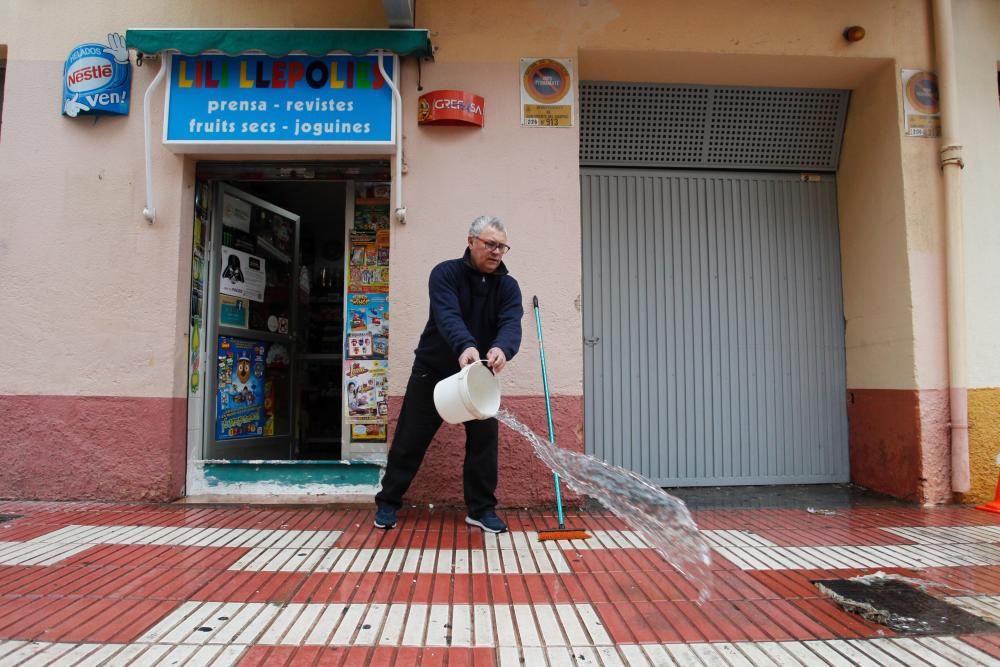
[9,517]
[902,607]
[664,521]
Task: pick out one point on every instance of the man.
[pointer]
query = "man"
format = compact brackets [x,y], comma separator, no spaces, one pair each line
[475,313]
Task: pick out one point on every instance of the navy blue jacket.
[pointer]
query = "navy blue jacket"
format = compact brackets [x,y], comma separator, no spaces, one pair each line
[469,309]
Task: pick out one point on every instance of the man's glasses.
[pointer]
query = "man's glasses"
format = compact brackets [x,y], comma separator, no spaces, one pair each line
[493,246]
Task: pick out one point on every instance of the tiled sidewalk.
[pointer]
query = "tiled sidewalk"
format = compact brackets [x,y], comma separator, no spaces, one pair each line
[91,584]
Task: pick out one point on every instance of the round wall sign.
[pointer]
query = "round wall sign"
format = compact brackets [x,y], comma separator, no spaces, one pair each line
[922,92]
[547,81]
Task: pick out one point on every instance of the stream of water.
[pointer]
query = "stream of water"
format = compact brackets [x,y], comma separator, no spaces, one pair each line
[664,521]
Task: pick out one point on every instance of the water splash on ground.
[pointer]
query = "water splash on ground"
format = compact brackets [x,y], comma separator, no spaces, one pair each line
[664,521]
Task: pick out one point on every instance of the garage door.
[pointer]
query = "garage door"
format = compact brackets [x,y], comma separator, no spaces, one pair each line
[713,326]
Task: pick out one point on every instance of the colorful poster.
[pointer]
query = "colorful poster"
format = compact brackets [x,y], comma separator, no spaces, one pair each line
[233,312]
[239,403]
[359,345]
[367,323]
[195,374]
[368,256]
[382,247]
[369,279]
[366,391]
[363,251]
[243,275]
[369,432]
[369,218]
[366,336]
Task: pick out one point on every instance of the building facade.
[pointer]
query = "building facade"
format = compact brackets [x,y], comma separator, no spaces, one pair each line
[763,244]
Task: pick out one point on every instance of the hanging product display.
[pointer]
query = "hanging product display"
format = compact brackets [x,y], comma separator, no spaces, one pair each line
[369,238]
[366,335]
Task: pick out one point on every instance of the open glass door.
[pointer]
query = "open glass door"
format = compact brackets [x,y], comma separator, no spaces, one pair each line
[252,328]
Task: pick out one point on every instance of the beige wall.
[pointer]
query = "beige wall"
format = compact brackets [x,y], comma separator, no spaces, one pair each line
[527,177]
[893,336]
[978,59]
[73,188]
[877,300]
[94,299]
[90,296]
[977,22]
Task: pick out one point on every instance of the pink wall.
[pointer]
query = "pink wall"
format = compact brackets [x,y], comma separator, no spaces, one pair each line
[523,481]
[112,321]
[529,178]
[92,447]
[898,443]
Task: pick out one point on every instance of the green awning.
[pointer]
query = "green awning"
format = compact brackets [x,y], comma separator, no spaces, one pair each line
[279,42]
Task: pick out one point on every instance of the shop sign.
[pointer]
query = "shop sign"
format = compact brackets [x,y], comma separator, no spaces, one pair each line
[921,104]
[97,78]
[547,92]
[215,103]
[450,107]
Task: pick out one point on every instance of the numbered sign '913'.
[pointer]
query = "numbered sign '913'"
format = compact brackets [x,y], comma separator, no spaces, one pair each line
[97,78]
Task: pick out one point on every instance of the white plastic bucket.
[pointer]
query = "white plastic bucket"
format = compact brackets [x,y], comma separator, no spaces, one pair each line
[471,393]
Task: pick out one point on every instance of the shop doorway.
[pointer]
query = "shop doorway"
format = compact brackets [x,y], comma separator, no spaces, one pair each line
[268,313]
[278,320]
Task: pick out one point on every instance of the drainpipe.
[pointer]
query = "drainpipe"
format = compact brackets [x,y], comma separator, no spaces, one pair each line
[397,185]
[149,212]
[951,169]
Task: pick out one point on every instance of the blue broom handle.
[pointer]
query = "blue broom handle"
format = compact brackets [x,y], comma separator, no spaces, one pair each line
[548,404]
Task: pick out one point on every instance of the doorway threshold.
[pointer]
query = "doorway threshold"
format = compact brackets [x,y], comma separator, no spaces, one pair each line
[283,478]
[284,500]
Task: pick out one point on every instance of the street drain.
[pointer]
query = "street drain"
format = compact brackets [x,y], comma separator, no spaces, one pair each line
[902,607]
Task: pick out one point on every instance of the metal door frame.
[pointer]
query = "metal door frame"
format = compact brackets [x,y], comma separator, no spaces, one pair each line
[255,447]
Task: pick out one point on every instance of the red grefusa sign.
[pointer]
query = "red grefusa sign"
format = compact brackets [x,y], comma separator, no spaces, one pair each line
[450,107]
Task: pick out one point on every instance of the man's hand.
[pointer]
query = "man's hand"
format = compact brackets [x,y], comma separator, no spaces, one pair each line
[497,359]
[470,356]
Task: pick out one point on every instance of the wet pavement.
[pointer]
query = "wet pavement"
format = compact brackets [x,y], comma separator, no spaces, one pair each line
[134,584]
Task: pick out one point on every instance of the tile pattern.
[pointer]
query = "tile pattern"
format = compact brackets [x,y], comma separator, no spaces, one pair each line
[91,584]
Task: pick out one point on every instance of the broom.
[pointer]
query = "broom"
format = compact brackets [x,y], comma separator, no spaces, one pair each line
[562,532]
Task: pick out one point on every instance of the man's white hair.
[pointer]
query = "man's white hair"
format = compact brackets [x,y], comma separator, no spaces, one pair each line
[484,221]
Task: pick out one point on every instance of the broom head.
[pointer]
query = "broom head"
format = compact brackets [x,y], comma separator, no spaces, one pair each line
[562,534]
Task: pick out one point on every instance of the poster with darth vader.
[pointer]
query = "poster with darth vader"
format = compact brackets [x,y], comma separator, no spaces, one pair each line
[240,399]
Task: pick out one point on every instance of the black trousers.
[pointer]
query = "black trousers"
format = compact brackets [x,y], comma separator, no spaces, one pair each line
[418,422]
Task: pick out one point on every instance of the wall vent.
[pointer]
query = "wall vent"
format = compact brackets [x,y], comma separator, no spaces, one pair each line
[710,127]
